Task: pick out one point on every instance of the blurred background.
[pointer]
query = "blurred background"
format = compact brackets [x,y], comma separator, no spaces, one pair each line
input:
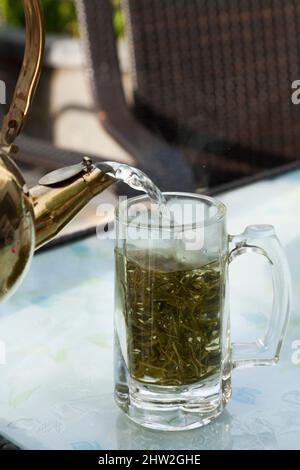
[64,112]
[196,93]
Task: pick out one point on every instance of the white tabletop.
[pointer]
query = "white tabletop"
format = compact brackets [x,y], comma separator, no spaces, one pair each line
[57,383]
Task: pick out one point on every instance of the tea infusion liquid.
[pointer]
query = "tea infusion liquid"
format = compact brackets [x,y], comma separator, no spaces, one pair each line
[171,317]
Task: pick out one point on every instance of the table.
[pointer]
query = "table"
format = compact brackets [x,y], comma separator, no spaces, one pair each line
[56,332]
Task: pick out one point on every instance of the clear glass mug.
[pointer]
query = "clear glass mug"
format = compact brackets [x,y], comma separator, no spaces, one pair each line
[173,353]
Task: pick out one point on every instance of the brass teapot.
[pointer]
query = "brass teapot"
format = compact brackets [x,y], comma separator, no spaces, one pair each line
[30,218]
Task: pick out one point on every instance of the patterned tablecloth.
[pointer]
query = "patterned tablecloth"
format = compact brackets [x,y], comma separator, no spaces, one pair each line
[56,333]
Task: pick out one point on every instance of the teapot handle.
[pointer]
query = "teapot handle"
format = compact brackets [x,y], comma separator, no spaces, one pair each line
[29,74]
[261,239]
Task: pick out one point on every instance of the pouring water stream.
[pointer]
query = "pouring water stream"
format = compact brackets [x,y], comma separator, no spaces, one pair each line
[134,178]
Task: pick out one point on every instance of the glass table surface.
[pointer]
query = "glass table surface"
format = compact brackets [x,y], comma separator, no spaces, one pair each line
[56,336]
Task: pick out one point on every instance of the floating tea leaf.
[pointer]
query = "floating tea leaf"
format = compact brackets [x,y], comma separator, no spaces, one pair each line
[172,316]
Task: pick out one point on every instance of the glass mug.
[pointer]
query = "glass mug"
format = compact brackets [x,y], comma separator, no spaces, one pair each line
[173,354]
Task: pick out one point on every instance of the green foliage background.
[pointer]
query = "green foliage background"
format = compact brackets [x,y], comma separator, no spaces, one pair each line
[60,15]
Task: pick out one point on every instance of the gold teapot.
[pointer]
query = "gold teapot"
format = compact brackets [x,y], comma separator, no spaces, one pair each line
[31,217]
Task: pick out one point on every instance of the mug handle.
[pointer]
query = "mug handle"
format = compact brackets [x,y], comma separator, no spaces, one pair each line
[261,239]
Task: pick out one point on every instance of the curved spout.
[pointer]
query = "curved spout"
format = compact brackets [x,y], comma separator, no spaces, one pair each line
[62,194]
[29,74]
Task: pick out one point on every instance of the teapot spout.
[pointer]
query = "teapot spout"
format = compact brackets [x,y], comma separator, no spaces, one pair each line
[61,194]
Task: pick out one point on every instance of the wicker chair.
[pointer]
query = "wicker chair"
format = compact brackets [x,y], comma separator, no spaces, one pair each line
[212,85]
[212,88]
